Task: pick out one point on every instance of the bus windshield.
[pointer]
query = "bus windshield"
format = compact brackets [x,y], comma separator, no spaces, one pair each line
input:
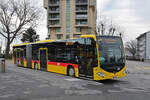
[111,52]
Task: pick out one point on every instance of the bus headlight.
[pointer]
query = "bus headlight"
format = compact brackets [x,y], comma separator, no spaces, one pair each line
[101,74]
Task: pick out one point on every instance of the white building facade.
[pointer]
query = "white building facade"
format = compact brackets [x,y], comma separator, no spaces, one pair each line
[143,46]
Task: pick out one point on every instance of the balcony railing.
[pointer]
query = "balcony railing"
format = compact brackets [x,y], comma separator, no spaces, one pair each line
[81,11]
[80,23]
[54,12]
[81,16]
[53,5]
[53,18]
[81,4]
[54,25]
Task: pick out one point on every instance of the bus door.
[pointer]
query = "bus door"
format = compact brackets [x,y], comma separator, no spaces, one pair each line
[18,56]
[15,56]
[83,65]
[87,55]
[22,57]
[43,59]
[91,55]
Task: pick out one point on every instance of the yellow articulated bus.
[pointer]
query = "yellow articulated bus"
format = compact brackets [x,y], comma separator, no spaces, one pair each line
[95,57]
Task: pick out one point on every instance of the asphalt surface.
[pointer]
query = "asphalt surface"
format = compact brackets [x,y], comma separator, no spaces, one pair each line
[27,84]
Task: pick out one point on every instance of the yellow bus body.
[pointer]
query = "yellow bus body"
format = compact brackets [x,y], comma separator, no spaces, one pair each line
[63,70]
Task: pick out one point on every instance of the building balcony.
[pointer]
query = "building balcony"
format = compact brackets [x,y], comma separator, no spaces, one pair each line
[81,25]
[81,16]
[53,18]
[81,4]
[53,25]
[81,11]
[54,5]
[54,12]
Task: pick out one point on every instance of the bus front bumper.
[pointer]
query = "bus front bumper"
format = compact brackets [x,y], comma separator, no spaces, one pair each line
[106,75]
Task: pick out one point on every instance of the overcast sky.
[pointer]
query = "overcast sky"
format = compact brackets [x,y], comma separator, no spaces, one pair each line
[131,15]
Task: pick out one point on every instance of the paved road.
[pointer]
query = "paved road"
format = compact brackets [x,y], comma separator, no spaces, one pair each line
[27,84]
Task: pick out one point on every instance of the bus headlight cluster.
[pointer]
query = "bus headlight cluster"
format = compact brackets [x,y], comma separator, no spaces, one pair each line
[101,74]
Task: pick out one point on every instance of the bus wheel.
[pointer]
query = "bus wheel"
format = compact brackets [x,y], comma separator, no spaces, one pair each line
[35,66]
[71,72]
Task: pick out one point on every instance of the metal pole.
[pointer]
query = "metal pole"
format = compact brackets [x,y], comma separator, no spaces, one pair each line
[3,65]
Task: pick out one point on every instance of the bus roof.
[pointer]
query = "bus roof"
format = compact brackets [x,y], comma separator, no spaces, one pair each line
[89,36]
[23,44]
[100,36]
[37,42]
[43,41]
[48,41]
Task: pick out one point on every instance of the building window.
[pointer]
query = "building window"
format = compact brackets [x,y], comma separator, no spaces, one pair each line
[54,23]
[89,30]
[49,31]
[81,22]
[58,30]
[57,22]
[68,36]
[67,29]
[78,29]
[59,36]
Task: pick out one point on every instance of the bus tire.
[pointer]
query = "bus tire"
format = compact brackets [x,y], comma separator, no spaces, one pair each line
[35,66]
[71,71]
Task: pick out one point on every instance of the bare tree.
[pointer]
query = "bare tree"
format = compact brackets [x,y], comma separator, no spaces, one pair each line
[106,27]
[30,35]
[131,46]
[15,16]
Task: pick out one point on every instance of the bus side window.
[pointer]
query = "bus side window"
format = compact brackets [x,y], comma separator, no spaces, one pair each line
[35,53]
[88,41]
[81,41]
[59,54]
[51,53]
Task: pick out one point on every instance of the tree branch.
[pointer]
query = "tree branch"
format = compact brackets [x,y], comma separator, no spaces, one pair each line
[4,35]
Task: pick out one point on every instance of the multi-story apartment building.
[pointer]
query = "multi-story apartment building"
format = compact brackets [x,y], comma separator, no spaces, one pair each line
[143,46]
[70,18]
